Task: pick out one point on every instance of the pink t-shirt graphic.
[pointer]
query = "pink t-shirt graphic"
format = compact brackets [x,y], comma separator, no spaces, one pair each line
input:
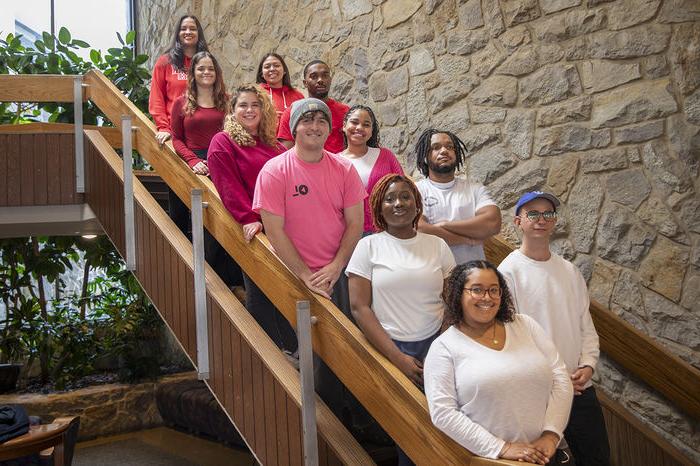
[311,197]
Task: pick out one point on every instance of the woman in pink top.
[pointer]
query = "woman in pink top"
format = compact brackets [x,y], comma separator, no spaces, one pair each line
[236,156]
[361,134]
[273,76]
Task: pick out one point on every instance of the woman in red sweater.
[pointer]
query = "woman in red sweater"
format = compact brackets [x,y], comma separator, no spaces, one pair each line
[170,73]
[199,114]
[361,134]
[273,76]
[236,156]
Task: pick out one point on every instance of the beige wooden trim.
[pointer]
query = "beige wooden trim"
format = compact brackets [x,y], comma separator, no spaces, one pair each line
[112,135]
[37,88]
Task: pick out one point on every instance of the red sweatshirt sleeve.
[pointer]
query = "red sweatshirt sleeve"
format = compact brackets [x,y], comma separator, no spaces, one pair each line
[283,131]
[177,127]
[157,106]
[224,173]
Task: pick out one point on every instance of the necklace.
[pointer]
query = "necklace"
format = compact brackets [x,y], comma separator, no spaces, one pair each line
[493,336]
[494,340]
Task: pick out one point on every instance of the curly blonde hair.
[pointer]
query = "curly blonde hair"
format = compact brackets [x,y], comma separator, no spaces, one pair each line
[267,130]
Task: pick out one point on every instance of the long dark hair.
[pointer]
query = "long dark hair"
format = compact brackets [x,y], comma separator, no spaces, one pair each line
[455,287]
[286,81]
[220,97]
[373,141]
[423,149]
[176,52]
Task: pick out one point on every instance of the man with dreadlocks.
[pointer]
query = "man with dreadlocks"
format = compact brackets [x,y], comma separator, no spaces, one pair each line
[460,212]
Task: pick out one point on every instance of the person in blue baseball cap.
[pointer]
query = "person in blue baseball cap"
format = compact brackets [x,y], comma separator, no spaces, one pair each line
[552,290]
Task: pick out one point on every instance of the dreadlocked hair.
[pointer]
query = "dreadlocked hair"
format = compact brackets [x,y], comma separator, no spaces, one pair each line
[373,141]
[423,149]
[454,287]
[377,199]
[220,97]
[267,129]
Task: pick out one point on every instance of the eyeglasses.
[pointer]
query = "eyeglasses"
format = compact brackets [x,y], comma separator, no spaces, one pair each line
[479,292]
[547,215]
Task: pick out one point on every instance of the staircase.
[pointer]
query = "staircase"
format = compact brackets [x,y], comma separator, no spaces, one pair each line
[250,378]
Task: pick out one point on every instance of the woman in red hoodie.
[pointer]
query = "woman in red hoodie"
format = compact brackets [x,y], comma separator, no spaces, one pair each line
[170,72]
[273,76]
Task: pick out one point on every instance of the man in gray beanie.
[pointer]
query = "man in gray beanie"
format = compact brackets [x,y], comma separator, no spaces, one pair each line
[311,204]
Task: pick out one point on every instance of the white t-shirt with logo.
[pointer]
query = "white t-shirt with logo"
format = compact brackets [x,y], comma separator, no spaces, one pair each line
[407,277]
[457,200]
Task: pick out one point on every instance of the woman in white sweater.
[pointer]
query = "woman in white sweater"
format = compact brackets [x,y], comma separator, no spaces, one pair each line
[494,381]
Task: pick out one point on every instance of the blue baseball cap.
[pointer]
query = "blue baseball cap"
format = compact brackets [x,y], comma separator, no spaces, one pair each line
[532,195]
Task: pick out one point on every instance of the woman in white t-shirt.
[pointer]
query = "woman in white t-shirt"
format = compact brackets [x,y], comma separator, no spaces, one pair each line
[396,278]
[361,134]
[494,380]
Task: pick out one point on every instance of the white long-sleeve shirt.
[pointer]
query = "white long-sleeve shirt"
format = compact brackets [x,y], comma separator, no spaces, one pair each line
[482,397]
[554,293]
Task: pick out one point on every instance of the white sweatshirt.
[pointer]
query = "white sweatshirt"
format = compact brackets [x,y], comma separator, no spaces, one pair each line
[554,293]
[482,397]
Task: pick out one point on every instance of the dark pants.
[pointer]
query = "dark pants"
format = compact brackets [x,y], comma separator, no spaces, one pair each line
[268,317]
[215,255]
[586,433]
[418,350]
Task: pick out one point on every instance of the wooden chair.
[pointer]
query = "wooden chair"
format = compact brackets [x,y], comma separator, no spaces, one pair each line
[56,439]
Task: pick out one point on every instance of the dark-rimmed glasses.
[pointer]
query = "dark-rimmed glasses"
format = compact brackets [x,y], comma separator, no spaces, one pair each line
[547,215]
[479,292]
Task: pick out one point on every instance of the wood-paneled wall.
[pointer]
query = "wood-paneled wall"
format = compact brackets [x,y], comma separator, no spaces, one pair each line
[37,170]
[251,379]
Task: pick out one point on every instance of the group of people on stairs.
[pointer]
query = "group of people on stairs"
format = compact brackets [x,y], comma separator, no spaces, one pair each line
[505,355]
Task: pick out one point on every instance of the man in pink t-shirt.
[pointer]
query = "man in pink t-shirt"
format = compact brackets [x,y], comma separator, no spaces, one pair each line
[310,202]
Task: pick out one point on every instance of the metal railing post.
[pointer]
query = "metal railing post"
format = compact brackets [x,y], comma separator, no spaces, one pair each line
[306,373]
[200,291]
[78,128]
[129,222]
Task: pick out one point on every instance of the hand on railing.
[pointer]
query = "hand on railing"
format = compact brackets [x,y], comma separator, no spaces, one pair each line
[162,136]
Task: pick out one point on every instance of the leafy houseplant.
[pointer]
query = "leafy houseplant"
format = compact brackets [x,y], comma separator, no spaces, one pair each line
[44,320]
[64,328]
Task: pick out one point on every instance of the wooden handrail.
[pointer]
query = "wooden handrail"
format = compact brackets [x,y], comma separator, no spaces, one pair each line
[644,357]
[37,88]
[112,135]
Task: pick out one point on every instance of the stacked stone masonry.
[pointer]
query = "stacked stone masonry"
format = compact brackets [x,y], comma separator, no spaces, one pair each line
[595,100]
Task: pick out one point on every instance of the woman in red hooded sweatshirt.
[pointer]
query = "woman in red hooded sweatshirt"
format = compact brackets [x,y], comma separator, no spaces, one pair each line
[273,77]
[170,73]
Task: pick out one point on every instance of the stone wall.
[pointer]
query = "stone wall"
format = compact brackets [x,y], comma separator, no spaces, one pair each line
[595,100]
[104,410]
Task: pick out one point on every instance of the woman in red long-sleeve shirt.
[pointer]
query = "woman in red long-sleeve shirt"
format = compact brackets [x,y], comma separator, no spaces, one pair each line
[273,76]
[199,114]
[236,156]
[196,117]
[170,72]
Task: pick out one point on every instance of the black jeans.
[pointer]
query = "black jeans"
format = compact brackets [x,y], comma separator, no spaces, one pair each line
[268,317]
[586,433]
